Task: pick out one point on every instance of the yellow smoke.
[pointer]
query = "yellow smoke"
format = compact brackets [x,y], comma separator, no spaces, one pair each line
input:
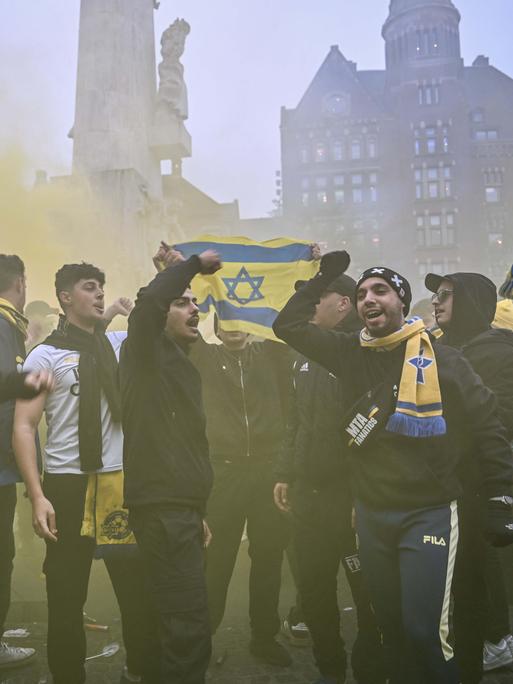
[57,222]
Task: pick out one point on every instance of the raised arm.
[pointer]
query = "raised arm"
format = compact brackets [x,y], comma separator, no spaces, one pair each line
[148,318]
[293,326]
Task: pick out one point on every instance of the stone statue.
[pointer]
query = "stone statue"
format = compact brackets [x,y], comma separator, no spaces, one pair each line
[172,94]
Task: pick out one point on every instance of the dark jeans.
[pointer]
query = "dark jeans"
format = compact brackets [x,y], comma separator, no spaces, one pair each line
[67,567]
[244,493]
[7,506]
[469,589]
[171,545]
[322,539]
[497,622]
[407,560]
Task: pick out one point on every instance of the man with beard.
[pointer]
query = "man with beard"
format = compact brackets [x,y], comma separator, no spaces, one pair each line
[168,475]
[412,411]
[244,391]
[465,305]
[83,447]
[314,483]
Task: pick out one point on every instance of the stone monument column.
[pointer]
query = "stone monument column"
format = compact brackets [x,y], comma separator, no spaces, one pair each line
[116,90]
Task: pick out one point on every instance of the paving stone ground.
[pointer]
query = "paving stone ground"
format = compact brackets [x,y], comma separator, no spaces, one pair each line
[240,667]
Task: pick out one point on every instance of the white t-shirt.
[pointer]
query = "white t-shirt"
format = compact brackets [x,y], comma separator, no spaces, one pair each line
[61,411]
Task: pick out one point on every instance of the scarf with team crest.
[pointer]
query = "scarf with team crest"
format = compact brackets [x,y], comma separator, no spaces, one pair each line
[418,411]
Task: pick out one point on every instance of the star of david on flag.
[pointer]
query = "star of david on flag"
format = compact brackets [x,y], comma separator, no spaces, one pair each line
[243,278]
[256,280]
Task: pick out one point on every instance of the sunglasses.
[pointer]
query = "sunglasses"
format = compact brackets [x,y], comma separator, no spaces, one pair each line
[441,296]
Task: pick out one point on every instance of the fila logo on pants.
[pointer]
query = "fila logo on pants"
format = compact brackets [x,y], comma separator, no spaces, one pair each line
[436,541]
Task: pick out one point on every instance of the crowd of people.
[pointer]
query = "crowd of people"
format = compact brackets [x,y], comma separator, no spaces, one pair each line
[371,441]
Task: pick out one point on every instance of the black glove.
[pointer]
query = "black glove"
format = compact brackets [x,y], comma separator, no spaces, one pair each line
[499,522]
[334,264]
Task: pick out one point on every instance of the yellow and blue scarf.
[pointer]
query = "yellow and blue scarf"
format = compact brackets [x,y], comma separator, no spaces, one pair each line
[418,411]
[105,519]
[15,318]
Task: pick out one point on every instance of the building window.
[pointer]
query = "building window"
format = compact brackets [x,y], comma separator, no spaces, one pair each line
[477,116]
[433,183]
[339,197]
[483,136]
[338,180]
[431,145]
[321,182]
[372,148]
[338,151]
[356,149]
[417,147]
[357,195]
[492,194]
[493,179]
[305,183]
[322,197]
[435,230]
[373,191]
[433,190]
[429,95]
[356,179]
[320,152]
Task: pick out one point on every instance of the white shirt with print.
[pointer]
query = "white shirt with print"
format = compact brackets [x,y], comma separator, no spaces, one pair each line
[61,453]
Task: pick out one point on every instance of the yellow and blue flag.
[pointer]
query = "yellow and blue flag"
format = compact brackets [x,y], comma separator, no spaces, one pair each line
[256,281]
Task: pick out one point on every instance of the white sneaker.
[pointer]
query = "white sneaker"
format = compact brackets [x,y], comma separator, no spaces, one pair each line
[497,655]
[13,656]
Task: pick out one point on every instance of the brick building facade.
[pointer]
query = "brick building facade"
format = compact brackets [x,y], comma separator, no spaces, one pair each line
[410,166]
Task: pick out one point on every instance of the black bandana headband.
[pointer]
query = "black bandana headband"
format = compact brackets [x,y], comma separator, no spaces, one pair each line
[396,281]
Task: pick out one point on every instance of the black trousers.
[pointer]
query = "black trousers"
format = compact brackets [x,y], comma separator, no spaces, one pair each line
[7,507]
[244,493]
[469,590]
[497,620]
[322,539]
[171,545]
[67,567]
[408,559]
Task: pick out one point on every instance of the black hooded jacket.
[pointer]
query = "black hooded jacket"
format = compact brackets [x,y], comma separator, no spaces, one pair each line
[488,350]
[312,451]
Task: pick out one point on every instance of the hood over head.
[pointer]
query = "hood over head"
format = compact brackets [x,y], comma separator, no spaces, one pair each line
[474,304]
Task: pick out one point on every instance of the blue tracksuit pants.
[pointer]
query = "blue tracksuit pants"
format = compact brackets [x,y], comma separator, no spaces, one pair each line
[408,559]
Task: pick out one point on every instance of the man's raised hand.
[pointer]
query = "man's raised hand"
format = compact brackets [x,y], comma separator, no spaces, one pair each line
[210,262]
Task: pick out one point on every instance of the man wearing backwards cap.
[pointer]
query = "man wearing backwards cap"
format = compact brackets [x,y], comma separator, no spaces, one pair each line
[412,412]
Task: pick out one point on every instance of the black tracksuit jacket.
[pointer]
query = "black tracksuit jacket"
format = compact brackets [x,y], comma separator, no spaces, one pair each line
[395,472]
[165,455]
[312,451]
[245,396]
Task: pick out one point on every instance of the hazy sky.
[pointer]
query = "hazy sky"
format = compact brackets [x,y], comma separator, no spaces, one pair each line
[243,60]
